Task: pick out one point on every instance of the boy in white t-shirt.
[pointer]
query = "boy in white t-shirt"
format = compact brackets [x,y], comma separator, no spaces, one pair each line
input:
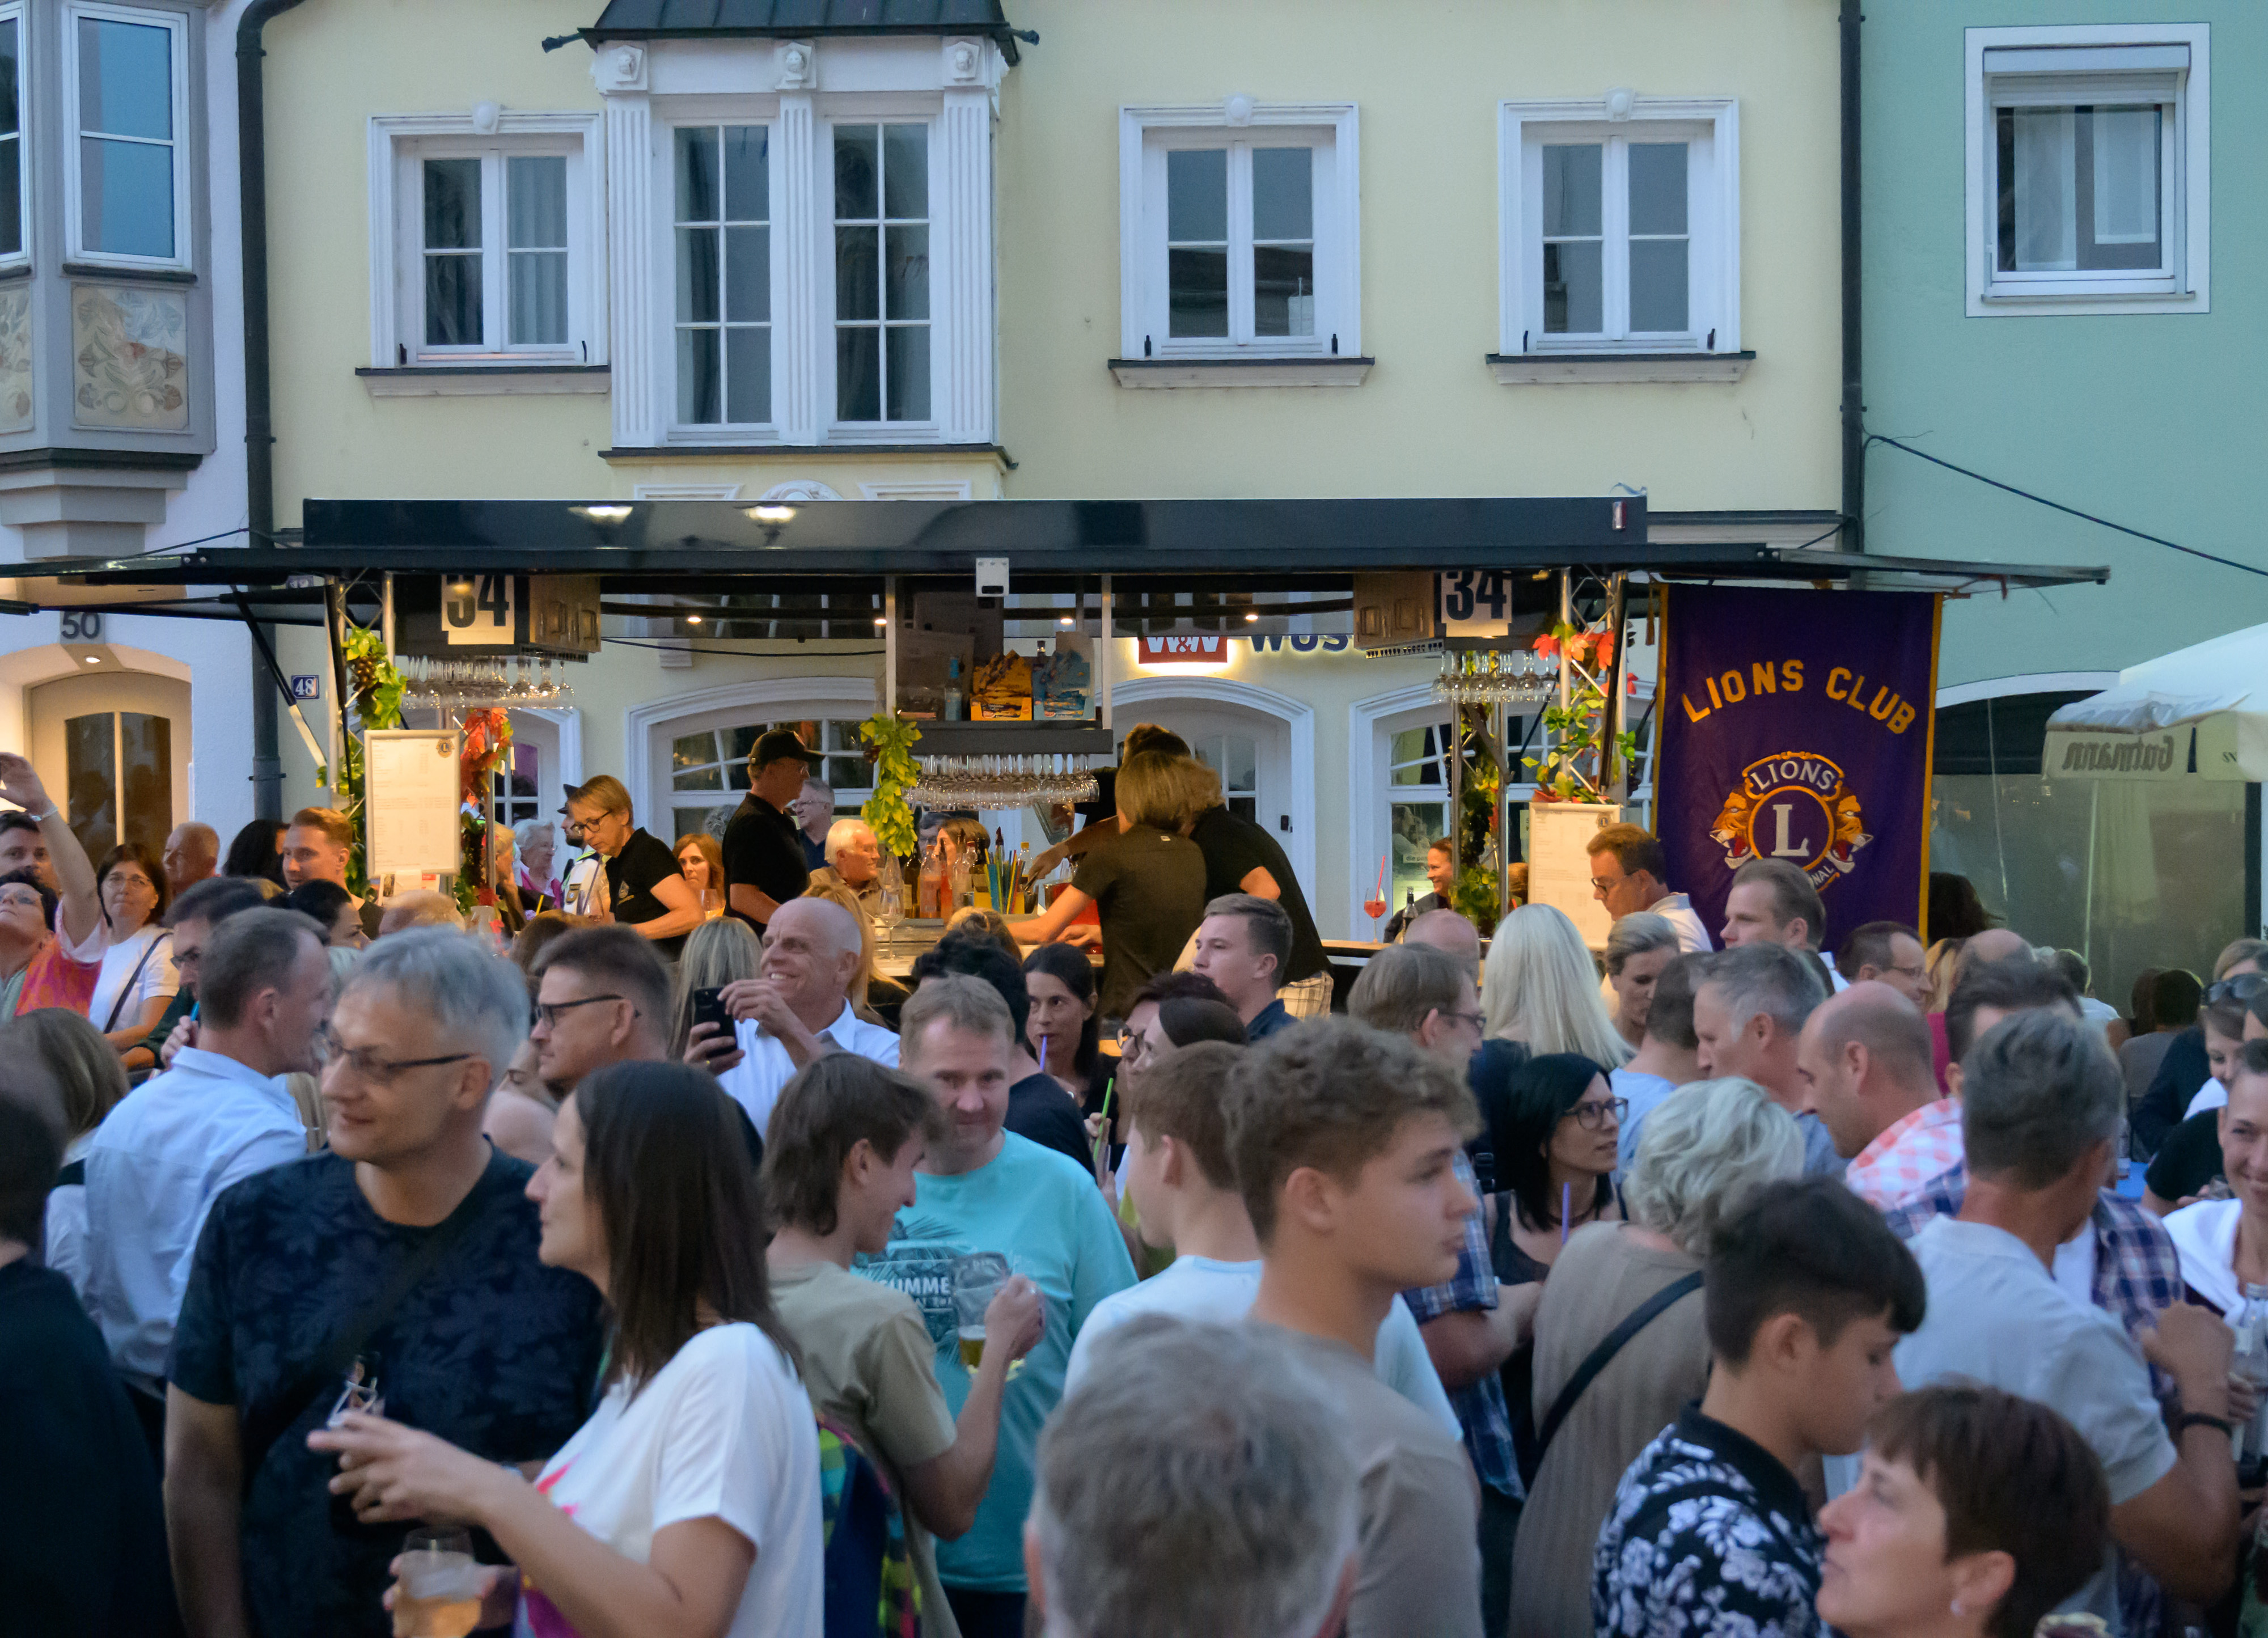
[1179,1177]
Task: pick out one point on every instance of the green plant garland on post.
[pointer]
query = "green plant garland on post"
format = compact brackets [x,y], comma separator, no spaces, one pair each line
[890,741]
[377,686]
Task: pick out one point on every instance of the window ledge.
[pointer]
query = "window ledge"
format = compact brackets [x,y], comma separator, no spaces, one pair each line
[484,380]
[1560,368]
[113,270]
[742,451]
[1186,372]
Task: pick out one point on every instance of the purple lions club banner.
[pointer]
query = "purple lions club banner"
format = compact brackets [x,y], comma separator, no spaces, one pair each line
[1796,725]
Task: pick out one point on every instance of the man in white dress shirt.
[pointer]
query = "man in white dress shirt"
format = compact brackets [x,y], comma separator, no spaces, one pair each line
[1627,868]
[219,1114]
[798,1010]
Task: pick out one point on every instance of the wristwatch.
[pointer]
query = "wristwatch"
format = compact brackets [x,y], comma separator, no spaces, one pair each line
[2187,1420]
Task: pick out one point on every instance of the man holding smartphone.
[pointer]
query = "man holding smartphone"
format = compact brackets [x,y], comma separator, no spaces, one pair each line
[798,1009]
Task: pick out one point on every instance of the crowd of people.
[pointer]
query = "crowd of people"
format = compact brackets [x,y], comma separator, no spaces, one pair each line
[1760,1279]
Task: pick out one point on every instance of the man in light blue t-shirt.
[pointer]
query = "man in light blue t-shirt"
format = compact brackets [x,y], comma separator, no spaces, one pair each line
[984,1189]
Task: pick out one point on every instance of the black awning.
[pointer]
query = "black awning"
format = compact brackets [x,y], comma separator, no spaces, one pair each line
[696,19]
[1246,547]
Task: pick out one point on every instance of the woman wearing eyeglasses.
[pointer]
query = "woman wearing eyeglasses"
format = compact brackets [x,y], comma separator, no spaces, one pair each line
[1702,1148]
[1553,1130]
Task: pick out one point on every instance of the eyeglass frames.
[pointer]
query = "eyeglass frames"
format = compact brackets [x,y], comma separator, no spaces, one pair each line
[367,1065]
[1593,1114]
[550,1011]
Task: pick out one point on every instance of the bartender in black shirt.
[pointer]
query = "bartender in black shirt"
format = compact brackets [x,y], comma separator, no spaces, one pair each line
[764,862]
[645,890]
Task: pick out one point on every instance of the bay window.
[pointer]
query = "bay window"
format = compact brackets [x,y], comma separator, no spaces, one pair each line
[125,87]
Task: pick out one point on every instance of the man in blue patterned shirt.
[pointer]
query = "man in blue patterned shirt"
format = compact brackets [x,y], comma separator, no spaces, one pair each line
[485,1347]
[1710,1532]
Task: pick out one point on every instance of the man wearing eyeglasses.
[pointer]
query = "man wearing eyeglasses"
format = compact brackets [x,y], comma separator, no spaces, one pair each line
[1629,873]
[602,997]
[160,1160]
[404,1258]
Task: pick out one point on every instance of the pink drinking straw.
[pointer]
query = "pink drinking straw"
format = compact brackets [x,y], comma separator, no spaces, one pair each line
[1566,1205]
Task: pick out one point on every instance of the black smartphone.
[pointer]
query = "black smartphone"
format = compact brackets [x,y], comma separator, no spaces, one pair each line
[709,1007]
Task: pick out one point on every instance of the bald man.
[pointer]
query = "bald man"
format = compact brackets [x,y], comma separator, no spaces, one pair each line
[1862,1065]
[798,1010]
[192,855]
[1446,929]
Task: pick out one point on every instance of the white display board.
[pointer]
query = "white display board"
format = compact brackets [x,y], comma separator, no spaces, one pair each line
[1560,870]
[410,830]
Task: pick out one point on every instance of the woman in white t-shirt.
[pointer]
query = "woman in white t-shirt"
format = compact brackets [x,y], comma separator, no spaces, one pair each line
[688,1503]
[137,980]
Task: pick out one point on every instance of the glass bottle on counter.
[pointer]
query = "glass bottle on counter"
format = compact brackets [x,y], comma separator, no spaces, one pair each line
[929,903]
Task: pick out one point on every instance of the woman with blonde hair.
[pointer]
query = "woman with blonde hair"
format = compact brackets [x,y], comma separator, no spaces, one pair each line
[1542,988]
[702,857]
[1703,1148]
[72,1056]
[1148,885]
[716,953]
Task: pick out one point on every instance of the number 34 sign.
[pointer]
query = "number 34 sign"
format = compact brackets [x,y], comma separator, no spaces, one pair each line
[478,611]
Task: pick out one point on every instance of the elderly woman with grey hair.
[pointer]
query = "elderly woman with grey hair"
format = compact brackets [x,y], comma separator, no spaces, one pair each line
[1704,1147]
[1639,946]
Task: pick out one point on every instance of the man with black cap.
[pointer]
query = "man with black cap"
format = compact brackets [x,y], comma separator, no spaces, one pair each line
[764,864]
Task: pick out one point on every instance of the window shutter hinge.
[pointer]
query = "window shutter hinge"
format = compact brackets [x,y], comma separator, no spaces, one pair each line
[1523,341]
[1712,345]
[401,352]
[586,349]
[1145,346]
[1335,343]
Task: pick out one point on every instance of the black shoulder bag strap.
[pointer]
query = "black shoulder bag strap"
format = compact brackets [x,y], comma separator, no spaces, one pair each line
[132,979]
[265,1426]
[1600,1357]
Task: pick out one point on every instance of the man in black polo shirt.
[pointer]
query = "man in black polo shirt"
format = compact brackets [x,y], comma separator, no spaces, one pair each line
[764,864]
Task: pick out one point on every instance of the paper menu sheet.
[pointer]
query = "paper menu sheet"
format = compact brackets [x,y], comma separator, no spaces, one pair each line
[1558,867]
[409,803]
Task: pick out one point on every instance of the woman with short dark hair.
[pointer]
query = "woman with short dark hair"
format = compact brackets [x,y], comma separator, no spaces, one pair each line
[137,980]
[1552,1135]
[690,1503]
[1976,1513]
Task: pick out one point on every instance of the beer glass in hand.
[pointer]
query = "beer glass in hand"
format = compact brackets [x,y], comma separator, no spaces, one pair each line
[438,1590]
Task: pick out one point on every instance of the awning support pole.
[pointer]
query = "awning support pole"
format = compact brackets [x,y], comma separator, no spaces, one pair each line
[889,645]
[1104,649]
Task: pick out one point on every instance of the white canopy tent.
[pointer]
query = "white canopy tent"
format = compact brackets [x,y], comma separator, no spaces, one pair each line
[2213,696]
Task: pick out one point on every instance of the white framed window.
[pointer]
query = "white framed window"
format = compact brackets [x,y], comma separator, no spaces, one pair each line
[1620,226]
[1239,231]
[2089,169]
[15,197]
[127,98]
[721,248]
[881,239]
[484,243]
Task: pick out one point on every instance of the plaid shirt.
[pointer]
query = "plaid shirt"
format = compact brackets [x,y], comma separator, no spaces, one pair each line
[1480,1407]
[1906,1154]
[2137,1271]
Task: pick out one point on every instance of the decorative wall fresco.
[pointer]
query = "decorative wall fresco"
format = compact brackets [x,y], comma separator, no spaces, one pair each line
[129,367]
[15,402]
